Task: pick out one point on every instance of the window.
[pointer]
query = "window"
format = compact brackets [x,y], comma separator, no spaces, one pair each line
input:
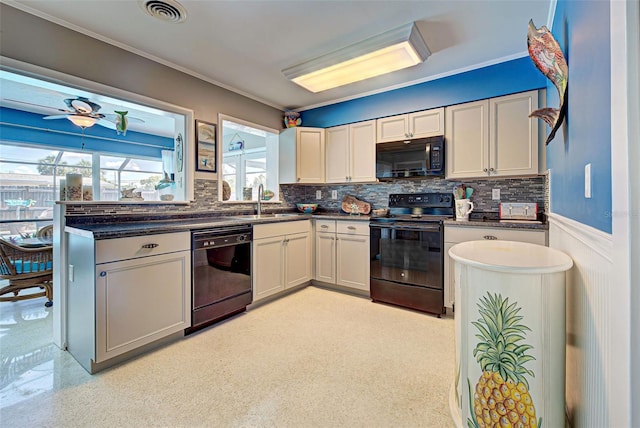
[30,178]
[40,146]
[249,158]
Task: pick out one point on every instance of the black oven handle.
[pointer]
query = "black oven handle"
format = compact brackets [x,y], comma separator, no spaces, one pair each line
[421,228]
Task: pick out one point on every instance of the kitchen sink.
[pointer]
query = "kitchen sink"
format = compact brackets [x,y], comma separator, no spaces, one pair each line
[260,216]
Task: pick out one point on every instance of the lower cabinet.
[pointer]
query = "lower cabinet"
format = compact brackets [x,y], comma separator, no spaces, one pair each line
[282,255]
[342,253]
[454,234]
[134,291]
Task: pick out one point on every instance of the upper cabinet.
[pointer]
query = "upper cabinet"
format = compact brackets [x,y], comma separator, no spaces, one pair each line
[351,153]
[493,138]
[428,123]
[302,155]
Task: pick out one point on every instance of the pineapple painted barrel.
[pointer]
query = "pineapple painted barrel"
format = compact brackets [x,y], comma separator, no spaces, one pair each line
[510,334]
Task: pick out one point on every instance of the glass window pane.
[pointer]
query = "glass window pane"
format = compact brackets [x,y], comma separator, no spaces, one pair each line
[144,165]
[111,162]
[24,154]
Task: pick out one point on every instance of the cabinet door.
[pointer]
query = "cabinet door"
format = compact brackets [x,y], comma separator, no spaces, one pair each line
[297,259]
[326,257]
[352,267]
[449,277]
[467,139]
[513,135]
[338,149]
[392,128]
[268,267]
[428,123]
[362,156]
[141,300]
[310,155]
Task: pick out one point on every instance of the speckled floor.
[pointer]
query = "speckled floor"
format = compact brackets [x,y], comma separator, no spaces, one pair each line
[314,358]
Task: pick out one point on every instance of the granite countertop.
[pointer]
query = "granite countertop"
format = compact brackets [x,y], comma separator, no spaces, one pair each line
[132,226]
[492,219]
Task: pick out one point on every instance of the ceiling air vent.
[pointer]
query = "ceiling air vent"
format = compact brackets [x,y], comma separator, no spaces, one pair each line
[165,10]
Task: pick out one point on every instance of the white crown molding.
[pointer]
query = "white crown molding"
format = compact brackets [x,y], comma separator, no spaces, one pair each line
[597,240]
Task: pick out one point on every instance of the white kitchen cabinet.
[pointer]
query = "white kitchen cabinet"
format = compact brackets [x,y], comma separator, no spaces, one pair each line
[342,253]
[282,257]
[493,138]
[421,124]
[133,291]
[454,234]
[302,155]
[351,153]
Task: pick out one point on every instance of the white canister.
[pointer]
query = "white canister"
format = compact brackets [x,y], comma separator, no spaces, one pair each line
[87,192]
[463,209]
[74,187]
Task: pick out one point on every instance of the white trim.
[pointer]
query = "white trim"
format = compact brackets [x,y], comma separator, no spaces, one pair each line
[597,240]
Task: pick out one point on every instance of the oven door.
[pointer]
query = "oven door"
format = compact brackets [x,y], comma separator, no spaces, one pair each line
[408,254]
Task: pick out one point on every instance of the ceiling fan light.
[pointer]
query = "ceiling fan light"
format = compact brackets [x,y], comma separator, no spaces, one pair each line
[393,50]
[82,121]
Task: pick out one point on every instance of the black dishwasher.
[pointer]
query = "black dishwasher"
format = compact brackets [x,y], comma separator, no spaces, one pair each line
[221,274]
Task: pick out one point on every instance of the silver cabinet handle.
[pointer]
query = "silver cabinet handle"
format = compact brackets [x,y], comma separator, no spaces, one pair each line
[490,237]
[485,170]
[351,227]
[324,226]
[491,169]
[150,245]
[298,179]
[103,273]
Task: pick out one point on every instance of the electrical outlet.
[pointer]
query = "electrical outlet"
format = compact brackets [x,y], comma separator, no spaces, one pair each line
[495,194]
[334,194]
[318,194]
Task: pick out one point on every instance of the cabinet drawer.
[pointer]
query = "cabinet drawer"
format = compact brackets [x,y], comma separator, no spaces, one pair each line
[353,227]
[110,250]
[325,225]
[282,228]
[463,234]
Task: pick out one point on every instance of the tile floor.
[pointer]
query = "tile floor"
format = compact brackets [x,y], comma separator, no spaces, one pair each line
[314,358]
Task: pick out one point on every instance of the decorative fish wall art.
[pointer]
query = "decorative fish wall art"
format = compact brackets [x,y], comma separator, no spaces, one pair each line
[547,56]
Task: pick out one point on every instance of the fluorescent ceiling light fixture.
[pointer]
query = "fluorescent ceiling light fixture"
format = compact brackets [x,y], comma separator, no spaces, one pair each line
[83,121]
[393,50]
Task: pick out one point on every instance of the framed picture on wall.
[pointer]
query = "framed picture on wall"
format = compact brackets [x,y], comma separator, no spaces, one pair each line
[205,146]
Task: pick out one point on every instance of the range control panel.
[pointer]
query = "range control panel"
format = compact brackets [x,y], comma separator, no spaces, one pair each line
[421,200]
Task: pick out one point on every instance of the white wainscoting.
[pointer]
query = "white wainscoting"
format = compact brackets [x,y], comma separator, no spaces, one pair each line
[588,359]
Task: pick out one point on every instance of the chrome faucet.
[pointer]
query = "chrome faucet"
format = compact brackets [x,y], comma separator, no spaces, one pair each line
[260,194]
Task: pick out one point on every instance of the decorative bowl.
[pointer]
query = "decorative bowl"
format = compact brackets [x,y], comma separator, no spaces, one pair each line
[307,208]
[380,212]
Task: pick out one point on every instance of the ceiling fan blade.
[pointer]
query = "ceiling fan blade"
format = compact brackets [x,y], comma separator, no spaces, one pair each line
[106,124]
[38,105]
[57,116]
[114,118]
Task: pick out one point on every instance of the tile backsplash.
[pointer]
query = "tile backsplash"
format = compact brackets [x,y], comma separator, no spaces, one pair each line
[528,189]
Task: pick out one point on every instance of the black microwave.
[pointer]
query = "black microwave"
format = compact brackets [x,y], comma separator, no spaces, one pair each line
[422,157]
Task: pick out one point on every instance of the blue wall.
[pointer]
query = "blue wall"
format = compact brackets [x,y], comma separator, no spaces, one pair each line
[583,31]
[97,138]
[501,79]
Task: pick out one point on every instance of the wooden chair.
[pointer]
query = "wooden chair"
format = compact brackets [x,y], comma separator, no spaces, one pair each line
[45,232]
[26,268]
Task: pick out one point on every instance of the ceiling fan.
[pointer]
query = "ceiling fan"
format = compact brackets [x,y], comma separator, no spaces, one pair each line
[84,113]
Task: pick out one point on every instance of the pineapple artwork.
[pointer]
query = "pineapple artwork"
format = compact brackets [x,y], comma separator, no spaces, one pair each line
[501,396]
